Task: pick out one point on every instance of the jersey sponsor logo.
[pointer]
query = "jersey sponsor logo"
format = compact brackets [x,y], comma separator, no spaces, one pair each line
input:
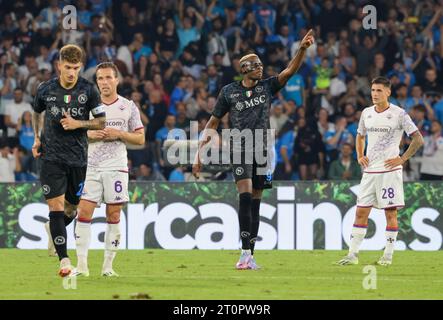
[50,99]
[46,189]
[249,93]
[259,89]
[375,129]
[76,111]
[234,95]
[240,105]
[122,107]
[82,98]
[115,123]
[389,116]
[67,98]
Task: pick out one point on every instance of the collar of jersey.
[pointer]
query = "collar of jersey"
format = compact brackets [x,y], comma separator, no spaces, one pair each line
[375,108]
[248,88]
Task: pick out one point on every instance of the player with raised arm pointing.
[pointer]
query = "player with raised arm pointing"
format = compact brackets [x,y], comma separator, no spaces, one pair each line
[248,102]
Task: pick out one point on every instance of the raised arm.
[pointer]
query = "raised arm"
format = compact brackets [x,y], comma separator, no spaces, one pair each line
[296,62]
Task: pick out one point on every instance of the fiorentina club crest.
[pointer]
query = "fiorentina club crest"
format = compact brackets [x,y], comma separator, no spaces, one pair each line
[249,93]
[67,98]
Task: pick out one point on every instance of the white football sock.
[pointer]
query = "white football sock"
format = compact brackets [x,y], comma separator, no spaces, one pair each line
[391,237]
[82,241]
[357,235]
[112,242]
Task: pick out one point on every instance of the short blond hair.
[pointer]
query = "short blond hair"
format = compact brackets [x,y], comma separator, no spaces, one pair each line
[247,57]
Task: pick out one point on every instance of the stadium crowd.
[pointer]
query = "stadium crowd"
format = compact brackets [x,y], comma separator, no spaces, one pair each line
[175,55]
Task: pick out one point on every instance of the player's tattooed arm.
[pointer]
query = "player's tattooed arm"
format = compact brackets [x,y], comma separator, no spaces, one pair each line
[416,143]
[93,124]
[296,62]
[69,123]
[208,132]
[36,124]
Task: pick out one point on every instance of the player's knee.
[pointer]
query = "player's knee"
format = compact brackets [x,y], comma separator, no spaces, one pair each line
[361,216]
[70,210]
[82,213]
[113,216]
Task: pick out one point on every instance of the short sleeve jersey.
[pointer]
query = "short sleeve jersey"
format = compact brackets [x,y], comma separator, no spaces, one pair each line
[122,115]
[248,107]
[59,145]
[384,130]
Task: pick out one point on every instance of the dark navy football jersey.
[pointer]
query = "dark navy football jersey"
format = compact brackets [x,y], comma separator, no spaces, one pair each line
[59,145]
[248,107]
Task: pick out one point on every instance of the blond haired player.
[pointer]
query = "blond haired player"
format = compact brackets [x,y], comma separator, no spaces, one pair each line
[107,175]
[382,182]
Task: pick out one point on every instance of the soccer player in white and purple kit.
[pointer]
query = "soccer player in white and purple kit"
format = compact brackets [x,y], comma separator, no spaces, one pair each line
[382,182]
[107,174]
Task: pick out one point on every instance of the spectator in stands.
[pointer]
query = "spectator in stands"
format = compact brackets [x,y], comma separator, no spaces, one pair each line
[9,163]
[146,173]
[284,152]
[418,115]
[432,160]
[295,90]
[13,112]
[345,167]
[336,138]
[278,118]
[309,150]
[323,123]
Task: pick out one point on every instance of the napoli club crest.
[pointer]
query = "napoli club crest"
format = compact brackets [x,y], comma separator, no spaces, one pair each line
[82,98]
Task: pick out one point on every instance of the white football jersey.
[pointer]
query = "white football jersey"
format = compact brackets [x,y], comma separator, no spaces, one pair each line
[384,130]
[122,115]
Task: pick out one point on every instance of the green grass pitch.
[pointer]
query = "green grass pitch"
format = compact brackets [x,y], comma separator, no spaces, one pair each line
[210,275]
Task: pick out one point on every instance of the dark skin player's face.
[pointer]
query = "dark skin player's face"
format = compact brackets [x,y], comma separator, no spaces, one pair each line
[256,68]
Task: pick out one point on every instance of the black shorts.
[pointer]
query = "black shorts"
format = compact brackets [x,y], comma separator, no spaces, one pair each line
[58,179]
[261,178]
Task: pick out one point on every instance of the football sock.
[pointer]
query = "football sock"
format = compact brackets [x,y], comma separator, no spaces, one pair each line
[391,237]
[58,233]
[112,243]
[357,235]
[255,222]
[69,219]
[82,241]
[245,219]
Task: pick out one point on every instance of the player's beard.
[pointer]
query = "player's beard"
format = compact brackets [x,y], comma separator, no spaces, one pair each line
[255,77]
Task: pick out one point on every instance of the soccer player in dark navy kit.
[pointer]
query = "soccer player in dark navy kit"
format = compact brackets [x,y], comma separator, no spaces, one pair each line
[62,143]
[248,103]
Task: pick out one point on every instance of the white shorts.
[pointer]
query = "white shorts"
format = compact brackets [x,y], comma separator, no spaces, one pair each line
[110,187]
[381,190]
